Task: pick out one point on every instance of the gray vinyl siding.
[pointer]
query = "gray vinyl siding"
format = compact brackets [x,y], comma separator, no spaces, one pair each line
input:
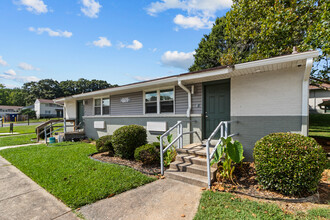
[196,99]
[135,104]
[133,107]
[181,100]
[88,107]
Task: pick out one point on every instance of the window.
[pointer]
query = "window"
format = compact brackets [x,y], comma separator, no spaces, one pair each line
[159,101]
[166,100]
[151,102]
[47,112]
[102,106]
[106,106]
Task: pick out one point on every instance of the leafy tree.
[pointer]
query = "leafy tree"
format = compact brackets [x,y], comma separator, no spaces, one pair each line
[48,89]
[68,87]
[258,29]
[14,96]
[211,47]
[45,88]
[31,113]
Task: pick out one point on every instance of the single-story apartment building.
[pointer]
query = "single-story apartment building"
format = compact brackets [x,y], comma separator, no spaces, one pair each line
[47,108]
[259,97]
[318,99]
[9,112]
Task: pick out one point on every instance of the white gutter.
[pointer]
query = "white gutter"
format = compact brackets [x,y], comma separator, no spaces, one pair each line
[189,97]
[276,60]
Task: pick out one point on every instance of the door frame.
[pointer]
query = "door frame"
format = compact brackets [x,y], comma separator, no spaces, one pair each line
[77,112]
[204,85]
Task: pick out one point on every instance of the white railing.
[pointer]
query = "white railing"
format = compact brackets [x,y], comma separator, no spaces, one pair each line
[179,138]
[223,127]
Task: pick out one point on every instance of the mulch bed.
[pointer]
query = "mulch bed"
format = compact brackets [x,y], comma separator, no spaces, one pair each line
[324,142]
[246,184]
[146,169]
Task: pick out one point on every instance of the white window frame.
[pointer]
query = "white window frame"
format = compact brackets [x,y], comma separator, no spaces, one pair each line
[103,97]
[158,100]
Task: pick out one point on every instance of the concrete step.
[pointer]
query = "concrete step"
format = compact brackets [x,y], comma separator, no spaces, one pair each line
[187,158]
[186,177]
[198,150]
[191,168]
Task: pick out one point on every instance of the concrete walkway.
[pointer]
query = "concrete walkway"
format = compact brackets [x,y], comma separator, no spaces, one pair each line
[21,198]
[162,199]
[8,134]
[22,145]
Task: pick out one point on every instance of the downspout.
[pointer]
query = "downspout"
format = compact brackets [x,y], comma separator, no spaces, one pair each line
[189,97]
[305,97]
[188,109]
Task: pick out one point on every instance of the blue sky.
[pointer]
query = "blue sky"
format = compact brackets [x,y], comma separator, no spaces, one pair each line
[118,41]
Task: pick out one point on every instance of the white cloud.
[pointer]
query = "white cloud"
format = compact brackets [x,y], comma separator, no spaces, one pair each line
[11,75]
[102,42]
[178,59]
[26,66]
[153,49]
[3,62]
[11,86]
[51,32]
[136,45]
[90,8]
[194,22]
[10,72]
[205,7]
[142,78]
[35,6]
[199,12]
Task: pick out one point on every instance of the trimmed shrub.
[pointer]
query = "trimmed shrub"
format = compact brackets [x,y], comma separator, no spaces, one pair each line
[127,138]
[291,164]
[147,154]
[103,144]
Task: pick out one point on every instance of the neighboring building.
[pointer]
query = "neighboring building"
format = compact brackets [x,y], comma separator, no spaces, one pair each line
[261,97]
[9,112]
[46,108]
[31,107]
[319,96]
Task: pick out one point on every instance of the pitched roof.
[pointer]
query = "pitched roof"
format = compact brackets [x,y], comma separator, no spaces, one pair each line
[203,73]
[45,100]
[324,85]
[10,107]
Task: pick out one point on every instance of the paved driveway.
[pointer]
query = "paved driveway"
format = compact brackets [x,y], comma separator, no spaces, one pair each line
[21,198]
[163,199]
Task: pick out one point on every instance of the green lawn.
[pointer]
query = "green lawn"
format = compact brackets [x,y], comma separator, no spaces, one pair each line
[16,140]
[25,129]
[66,172]
[215,205]
[319,125]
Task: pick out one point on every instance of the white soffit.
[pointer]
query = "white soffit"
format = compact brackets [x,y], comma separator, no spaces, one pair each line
[270,64]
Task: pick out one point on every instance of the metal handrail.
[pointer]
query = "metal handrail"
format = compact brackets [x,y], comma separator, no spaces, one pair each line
[223,126]
[162,151]
[178,138]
